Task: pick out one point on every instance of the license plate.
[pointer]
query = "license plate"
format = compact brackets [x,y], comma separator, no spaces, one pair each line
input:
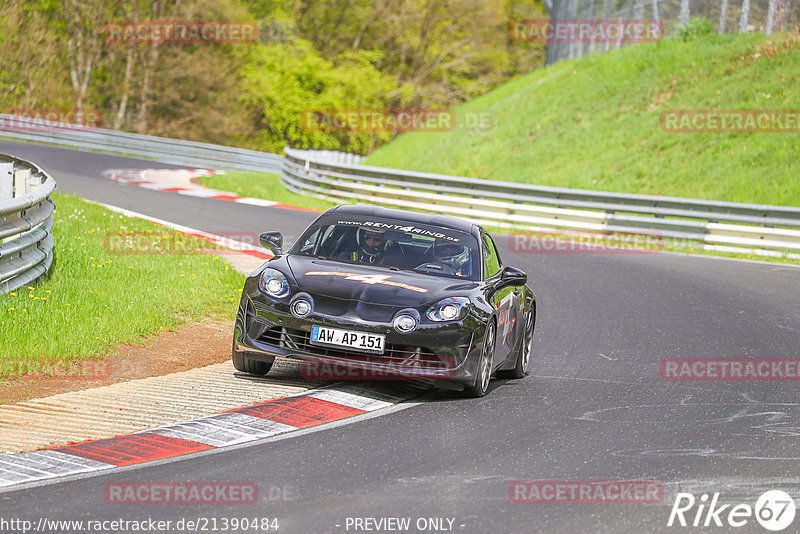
[362,341]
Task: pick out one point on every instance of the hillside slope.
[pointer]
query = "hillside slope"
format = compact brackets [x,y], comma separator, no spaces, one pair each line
[594,123]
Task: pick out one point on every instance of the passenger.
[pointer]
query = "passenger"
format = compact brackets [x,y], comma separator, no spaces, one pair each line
[453,255]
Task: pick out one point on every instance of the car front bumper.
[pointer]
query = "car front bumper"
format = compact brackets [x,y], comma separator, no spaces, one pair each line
[445,354]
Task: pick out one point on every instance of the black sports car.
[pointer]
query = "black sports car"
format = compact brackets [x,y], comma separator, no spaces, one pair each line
[369,293]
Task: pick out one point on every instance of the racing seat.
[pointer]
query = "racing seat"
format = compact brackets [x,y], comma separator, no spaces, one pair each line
[345,243]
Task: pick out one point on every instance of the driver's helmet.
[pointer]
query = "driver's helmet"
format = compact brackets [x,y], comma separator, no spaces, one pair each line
[371,241]
[454,255]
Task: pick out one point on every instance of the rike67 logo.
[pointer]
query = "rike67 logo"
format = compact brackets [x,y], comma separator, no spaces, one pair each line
[774,510]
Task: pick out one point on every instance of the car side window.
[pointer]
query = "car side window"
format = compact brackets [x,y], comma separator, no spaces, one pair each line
[491,260]
[310,243]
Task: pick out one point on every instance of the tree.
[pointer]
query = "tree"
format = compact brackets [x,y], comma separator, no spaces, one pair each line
[369,53]
[683,17]
[785,14]
[745,16]
[31,73]
[723,15]
[81,21]
[441,58]
[283,84]
[129,13]
[148,59]
[770,17]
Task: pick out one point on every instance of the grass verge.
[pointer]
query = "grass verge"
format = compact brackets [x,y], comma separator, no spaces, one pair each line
[95,299]
[595,123]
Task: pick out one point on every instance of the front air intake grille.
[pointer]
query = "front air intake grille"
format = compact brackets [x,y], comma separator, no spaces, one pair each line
[394,355]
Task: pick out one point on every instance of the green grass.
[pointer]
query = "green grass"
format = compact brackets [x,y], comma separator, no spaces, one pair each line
[594,123]
[262,185]
[95,299]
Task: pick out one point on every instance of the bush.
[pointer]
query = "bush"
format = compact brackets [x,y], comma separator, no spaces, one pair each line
[282,83]
[696,28]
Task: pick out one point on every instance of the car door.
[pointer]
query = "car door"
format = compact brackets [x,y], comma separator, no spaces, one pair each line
[504,301]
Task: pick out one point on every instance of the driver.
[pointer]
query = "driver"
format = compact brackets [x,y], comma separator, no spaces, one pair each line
[372,247]
[454,255]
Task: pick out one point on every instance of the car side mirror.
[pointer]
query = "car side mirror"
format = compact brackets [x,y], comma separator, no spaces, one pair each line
[512,277]
[272,241]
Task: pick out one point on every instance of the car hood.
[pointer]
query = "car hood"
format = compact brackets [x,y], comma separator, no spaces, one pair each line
[372,285]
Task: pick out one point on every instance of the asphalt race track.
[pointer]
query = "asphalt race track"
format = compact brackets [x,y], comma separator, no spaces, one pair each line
[80,173]
[593,408]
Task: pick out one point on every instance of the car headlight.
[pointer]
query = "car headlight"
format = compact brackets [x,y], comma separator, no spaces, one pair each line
[274,283]
[448,309]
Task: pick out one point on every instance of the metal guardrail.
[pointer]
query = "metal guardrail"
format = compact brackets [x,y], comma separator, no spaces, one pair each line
[175,151]
[339,177]
[541,208]
[26,222]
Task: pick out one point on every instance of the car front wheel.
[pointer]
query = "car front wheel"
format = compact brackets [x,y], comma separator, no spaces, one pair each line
[525,349]
[245,364]
[484,372]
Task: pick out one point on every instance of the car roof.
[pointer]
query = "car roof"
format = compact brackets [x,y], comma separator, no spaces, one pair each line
[443,221]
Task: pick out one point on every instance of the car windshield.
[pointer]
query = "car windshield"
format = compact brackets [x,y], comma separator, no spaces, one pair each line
[394,244]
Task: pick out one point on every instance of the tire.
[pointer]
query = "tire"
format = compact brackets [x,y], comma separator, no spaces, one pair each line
[525,349]
[249,365]
[483,373]
[256,367]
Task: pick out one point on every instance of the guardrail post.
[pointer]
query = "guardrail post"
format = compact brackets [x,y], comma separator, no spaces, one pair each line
[22,182]
[6,186]
[6,181]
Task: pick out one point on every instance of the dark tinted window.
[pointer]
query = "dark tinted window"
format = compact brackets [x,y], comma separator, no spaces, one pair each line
[393,243]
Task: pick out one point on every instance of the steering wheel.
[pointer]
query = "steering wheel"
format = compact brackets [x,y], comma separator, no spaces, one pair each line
[435,267]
